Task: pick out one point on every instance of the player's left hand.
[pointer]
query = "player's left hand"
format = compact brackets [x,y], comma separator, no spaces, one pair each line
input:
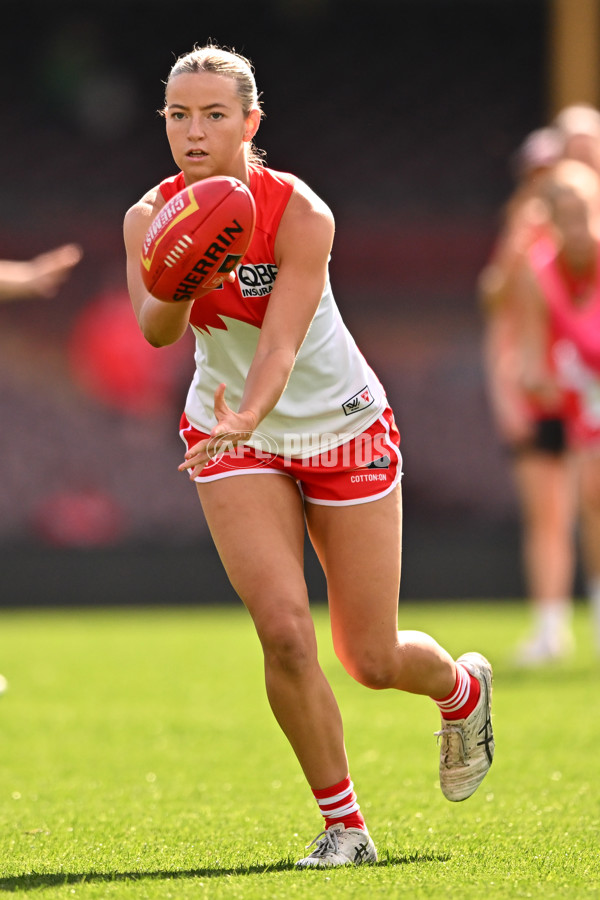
[231,429]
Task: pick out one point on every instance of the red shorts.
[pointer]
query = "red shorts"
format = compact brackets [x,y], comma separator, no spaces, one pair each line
[364,468]
[583,424]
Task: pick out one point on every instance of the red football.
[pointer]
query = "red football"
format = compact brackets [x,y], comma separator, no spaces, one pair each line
[197,238]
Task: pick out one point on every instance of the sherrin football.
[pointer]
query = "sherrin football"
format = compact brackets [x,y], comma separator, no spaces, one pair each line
[197,238]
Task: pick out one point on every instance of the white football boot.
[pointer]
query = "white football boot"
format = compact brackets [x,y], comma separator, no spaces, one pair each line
[552,639]
[339,846]
[467,745]
[543,650]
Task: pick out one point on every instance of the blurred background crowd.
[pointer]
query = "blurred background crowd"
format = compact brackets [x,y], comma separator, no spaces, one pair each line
[405,116]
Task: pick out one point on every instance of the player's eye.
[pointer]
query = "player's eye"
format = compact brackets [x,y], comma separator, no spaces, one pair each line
[177,115]
[216,115]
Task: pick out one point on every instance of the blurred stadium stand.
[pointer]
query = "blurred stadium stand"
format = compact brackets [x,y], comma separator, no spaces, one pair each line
[403,115]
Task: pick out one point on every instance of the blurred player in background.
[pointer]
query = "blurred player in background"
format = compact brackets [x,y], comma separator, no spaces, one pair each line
[39,277]
[560,294]
[531,431]
[290,369]
[578,126]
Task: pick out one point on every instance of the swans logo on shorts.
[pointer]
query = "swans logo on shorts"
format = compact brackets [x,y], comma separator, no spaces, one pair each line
[359,402]
[382,462]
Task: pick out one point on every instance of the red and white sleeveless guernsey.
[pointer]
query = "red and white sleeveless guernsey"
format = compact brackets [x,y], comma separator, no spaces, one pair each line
[332,395]
[574,315]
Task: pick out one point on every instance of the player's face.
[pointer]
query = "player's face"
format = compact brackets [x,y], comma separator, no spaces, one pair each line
[585,148]
[573,220]
[206,126]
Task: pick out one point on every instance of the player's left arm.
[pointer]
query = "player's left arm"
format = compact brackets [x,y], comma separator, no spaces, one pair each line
[302,250]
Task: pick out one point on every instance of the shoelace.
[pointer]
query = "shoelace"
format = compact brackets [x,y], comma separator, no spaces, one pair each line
[328,840]
[445,732]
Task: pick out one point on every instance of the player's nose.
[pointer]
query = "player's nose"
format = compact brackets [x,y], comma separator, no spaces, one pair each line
[196,128]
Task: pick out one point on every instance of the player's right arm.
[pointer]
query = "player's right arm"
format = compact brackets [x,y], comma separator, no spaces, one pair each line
[509,405]
[537,378]
[161,323]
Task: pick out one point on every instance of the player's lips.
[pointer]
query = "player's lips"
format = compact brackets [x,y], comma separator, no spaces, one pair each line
[196,154]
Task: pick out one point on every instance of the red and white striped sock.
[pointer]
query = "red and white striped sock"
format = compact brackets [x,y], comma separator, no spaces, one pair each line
[463,698]
[338,804]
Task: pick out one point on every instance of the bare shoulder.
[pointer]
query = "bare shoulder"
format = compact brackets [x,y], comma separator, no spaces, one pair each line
[140,215]
[307,222]
[304,202]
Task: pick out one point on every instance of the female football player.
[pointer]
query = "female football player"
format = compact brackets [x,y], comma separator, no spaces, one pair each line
[532,433]
[560,296]
[277,368]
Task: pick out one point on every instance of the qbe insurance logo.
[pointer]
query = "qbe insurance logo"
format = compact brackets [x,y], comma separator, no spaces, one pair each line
[257,279]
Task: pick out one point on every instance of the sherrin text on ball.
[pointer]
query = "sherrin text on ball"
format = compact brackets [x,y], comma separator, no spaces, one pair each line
[197,239]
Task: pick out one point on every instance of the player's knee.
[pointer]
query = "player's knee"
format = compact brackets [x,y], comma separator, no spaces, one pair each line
[591,500]
[371,669]
[288,645]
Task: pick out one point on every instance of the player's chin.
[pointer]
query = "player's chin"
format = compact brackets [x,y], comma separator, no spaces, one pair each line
[196,167]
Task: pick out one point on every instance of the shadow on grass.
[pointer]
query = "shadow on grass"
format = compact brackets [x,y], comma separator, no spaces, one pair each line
[37,880]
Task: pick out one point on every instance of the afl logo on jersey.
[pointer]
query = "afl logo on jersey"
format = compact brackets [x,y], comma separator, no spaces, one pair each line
[360,401]
[256,279]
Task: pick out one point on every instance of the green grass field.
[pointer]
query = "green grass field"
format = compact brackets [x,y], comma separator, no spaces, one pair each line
[140,760]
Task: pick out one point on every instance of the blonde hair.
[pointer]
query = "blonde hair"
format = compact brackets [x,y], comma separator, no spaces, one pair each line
[229,64]
[578,119]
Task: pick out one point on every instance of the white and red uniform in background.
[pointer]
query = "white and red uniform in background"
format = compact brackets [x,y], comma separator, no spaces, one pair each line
[573,303]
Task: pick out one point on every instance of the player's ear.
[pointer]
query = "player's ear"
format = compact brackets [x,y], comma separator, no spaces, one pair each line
[252,123]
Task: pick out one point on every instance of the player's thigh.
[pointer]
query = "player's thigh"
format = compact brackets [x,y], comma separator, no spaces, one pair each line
[546,486]
[359,547]
[588,465]
[257,524]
